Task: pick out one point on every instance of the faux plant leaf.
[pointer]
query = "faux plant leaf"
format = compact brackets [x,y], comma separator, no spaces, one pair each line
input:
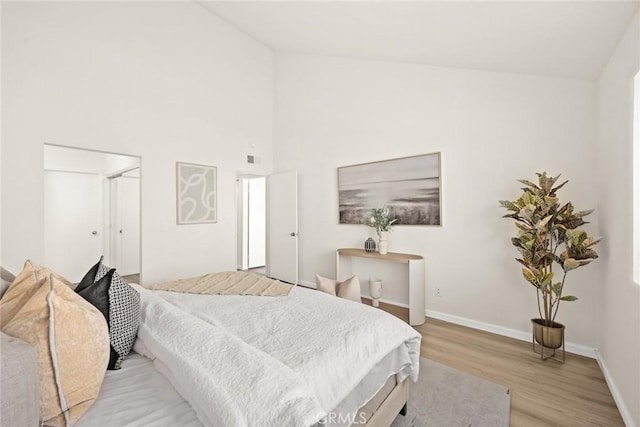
[546,183]
[507,204]
[553,190]
[546,278]
[582,214]
[543,222]
[573,223]
[570,264]
[591,242]
[568,298]
[521,261]
[531,278]
[527,212]
[528,183]
[575,236]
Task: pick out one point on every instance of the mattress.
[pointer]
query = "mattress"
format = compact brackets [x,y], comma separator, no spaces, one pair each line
[138,395]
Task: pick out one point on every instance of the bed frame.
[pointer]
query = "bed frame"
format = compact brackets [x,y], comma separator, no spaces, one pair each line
[394,404]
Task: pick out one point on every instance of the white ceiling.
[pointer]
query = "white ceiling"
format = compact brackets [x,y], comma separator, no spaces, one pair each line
[566,39]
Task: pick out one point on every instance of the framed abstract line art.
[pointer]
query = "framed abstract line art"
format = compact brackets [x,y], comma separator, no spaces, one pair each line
[196,193]
[409,186]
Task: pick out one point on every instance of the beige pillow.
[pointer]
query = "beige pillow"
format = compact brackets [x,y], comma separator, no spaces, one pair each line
[22,288]
[19,292]
[349,289]
[72,341]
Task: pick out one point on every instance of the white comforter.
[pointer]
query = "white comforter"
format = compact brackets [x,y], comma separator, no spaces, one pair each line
[286,361]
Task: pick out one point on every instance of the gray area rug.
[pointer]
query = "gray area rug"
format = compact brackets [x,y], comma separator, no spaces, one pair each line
[446,397]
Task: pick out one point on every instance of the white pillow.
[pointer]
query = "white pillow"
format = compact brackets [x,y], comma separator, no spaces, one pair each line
[349,289]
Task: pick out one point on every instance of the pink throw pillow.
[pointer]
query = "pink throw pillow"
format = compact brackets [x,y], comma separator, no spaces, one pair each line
[349,289]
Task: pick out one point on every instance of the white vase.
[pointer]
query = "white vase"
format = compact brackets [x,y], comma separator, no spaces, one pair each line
[383,244]
[375,289]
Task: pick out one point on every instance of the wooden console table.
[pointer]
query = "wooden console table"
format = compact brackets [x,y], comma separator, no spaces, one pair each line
[415,264]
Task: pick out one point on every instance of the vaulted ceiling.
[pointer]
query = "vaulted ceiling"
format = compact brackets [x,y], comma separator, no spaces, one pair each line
[566,39]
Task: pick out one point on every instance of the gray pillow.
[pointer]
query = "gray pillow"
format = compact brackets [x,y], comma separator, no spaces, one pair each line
[19,383]
[6,279]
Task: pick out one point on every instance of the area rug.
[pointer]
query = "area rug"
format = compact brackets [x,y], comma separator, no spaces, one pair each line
[446,397]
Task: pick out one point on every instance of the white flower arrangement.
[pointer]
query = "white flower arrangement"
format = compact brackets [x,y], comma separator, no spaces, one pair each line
[380,220]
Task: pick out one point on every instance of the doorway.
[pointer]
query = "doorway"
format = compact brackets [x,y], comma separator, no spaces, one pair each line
[267,225]
[92,208]
[251,193]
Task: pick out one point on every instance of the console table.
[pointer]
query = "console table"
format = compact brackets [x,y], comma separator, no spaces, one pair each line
[415,264]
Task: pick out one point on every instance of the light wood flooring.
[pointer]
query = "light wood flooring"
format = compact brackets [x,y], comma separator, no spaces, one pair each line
[543,393]
[132,278]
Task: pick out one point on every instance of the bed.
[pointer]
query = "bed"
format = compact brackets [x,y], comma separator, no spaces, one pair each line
[305,359]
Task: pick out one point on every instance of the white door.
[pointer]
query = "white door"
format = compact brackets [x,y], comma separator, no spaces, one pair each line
[73,222]
[125,224]
[282,229]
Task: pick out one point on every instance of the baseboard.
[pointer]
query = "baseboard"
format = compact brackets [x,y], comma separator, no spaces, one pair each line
[582,350]
[306,284]
[397,304]
[624,412]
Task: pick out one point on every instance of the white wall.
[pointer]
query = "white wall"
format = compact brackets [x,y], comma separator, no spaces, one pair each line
[166,81]
[492,128]
[619,308]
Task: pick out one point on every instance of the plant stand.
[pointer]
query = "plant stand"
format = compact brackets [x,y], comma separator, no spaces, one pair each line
[550,353]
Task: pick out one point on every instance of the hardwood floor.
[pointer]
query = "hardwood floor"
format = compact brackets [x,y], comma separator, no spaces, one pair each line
[132,278]
[544,393]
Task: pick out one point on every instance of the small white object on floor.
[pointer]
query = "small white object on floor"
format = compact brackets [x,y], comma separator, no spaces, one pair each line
[375,289]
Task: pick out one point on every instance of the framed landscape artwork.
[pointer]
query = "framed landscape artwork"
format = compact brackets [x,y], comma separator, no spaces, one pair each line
[196,193]
[410,187]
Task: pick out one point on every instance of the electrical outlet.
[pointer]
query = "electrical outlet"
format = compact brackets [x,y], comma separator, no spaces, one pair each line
[438,292]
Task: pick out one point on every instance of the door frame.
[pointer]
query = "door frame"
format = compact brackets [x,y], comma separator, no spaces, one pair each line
[240,194]
[141,186]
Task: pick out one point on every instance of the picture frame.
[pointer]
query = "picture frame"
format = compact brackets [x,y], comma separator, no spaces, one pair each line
[410,187]
[196,193]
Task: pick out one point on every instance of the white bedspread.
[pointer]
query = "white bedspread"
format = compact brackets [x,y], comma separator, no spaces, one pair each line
[227,381]
[328,344]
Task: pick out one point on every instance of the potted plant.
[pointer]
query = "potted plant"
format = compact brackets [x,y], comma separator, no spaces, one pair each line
[381,220]
[548,235]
